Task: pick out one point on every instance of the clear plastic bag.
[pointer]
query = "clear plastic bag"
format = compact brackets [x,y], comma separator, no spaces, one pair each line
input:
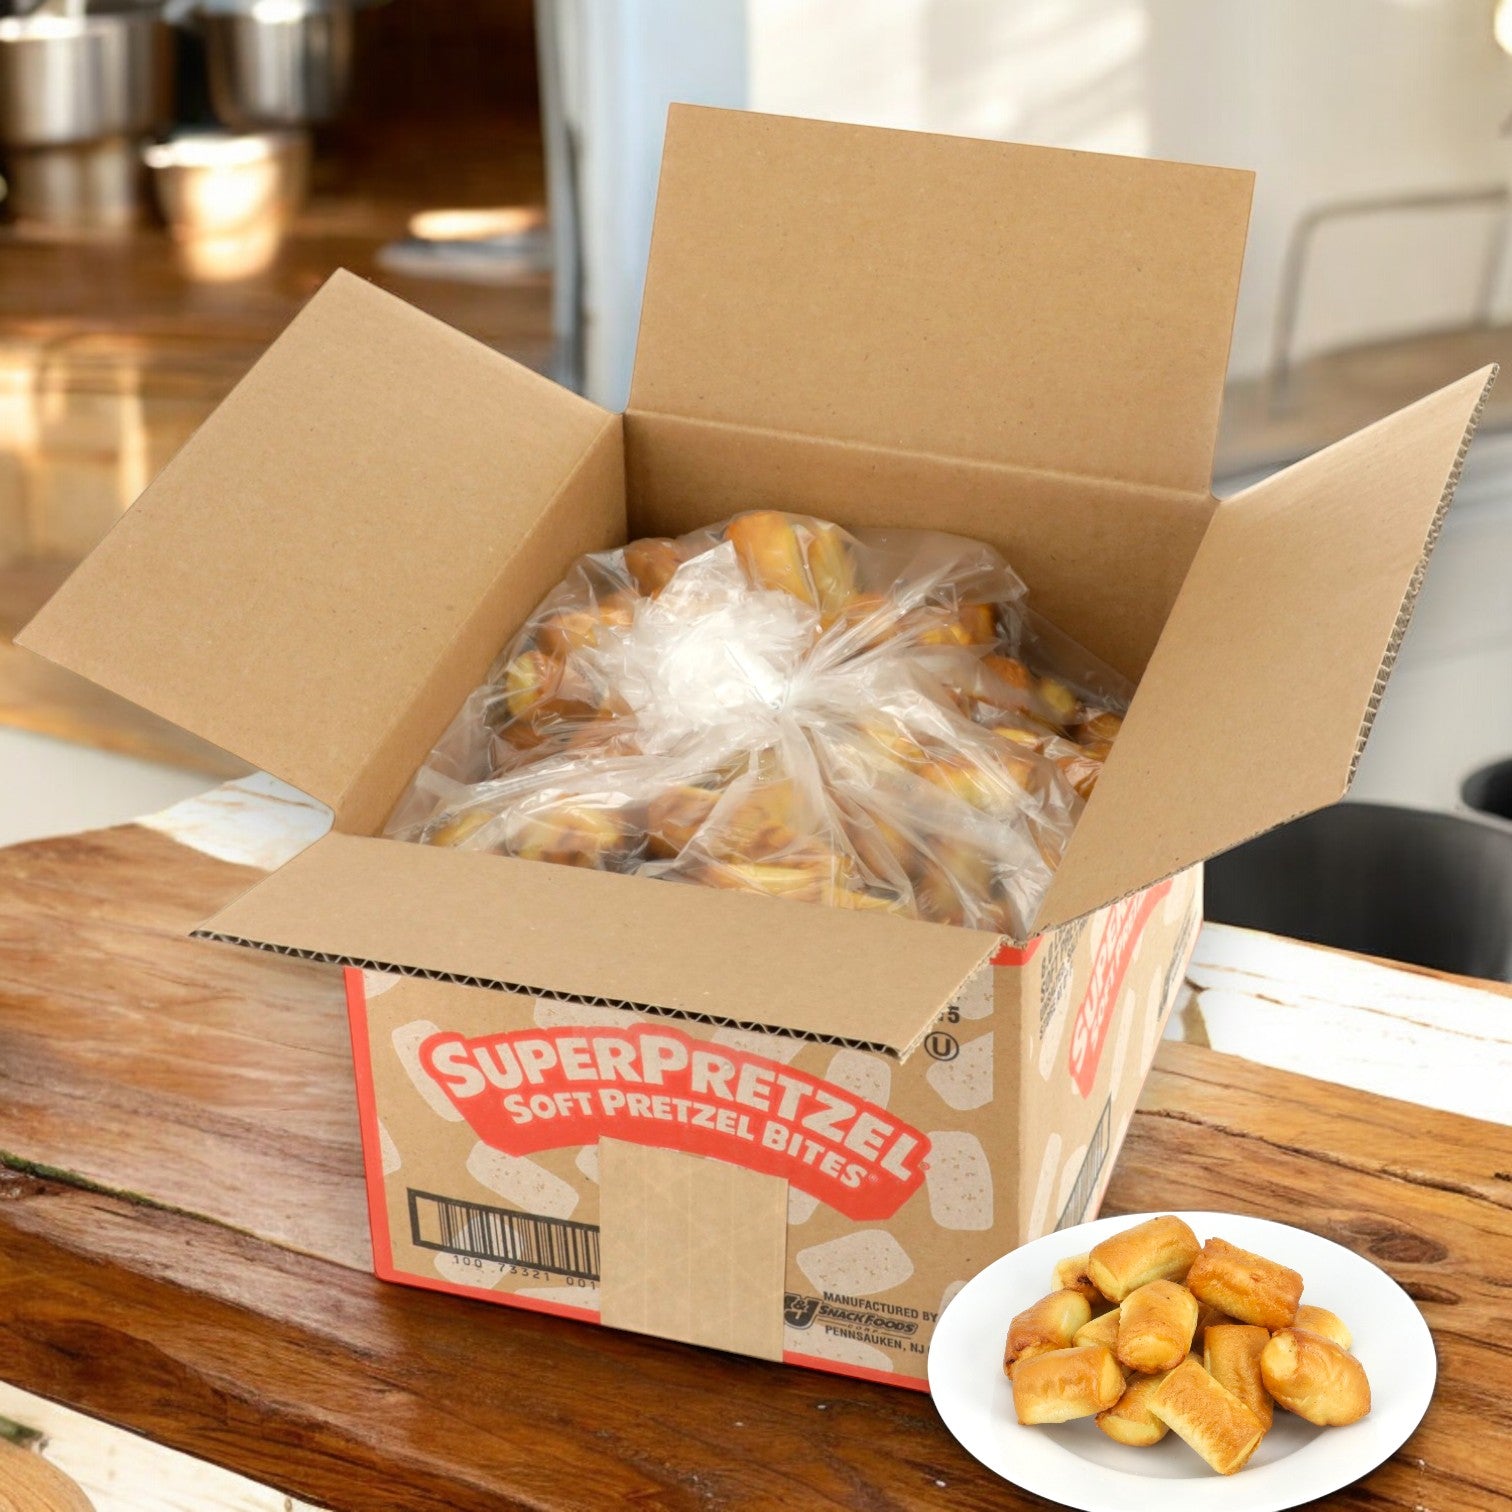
[868,720]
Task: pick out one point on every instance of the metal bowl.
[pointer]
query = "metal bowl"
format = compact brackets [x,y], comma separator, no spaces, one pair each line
[228,200]
[66,80]
[277,62]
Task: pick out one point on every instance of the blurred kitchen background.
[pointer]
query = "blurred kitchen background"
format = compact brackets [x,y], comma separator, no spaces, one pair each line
[181,176]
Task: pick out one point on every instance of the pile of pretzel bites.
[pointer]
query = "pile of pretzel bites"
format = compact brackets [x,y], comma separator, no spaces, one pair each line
[869,719]
[1152,1332]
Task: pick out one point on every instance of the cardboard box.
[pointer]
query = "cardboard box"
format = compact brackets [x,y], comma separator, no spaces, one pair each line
[739,1120]
[791,1198]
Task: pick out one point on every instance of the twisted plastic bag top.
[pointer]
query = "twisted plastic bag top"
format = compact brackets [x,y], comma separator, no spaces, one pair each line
[868,720]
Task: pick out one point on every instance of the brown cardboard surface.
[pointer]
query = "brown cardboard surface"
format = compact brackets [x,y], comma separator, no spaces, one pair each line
[287,585]
[1104,559]
[1060,310]
[734,958]
[692,1249]
[1261,692]
[587,513]
[1102,1007]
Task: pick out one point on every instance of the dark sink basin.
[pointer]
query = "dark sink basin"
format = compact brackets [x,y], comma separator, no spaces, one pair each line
[1429,889]
[1489,790]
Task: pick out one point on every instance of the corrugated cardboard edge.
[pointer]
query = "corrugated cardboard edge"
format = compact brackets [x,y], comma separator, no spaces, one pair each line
[589,1000]
[1415,586]
[580,935]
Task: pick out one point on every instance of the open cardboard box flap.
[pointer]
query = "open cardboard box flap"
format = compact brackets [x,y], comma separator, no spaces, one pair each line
[685,951]
[1260,695]
[327,569]
[289,583]
[1068,311]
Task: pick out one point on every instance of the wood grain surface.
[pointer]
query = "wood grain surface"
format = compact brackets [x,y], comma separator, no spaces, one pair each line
[182,1249]
[29,1484]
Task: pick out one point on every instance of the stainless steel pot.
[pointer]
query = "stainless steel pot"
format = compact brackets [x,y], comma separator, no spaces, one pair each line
[277,62]
[79,88]
[66,80]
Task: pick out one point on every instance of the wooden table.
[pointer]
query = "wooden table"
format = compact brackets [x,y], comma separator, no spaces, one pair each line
[183,1248]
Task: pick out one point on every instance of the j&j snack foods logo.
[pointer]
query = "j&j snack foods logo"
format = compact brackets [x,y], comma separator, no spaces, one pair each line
[543,1089]
[1110,964]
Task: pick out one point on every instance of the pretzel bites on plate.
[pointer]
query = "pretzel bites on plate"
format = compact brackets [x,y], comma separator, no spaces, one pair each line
[1153,1332]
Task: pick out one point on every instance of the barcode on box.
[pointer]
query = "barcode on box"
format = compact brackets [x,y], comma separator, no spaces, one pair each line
[489,1233]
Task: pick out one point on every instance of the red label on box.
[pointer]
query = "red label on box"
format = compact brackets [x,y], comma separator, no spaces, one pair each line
[1110,964]
[543,1089]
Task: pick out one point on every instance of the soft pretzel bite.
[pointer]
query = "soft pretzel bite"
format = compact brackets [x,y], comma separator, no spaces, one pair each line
[651,563]
[1159,1249]
[1045,1325]
[1071,1273]
[1207,1417]
[1231,1355]
[1248,1287]
[1063,705]
[570,834]
[564,631]
[831,570]
[769,549]
[1208,1317]
[1066,1384]
[1101,1330]
[1129,1420]
[455,829]
[1155,1325]
[674,816]
[1099,727]
[1319,1320]
[1314,1378]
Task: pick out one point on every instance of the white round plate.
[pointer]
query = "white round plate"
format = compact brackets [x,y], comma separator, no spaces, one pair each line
[1077,1465]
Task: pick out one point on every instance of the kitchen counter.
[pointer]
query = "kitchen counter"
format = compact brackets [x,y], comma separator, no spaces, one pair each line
[110,358]
[183,1242]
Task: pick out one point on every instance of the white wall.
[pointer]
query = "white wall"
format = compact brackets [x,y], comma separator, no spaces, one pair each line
[1326,99]
[622,63]
[1066,73]
[1334,101]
